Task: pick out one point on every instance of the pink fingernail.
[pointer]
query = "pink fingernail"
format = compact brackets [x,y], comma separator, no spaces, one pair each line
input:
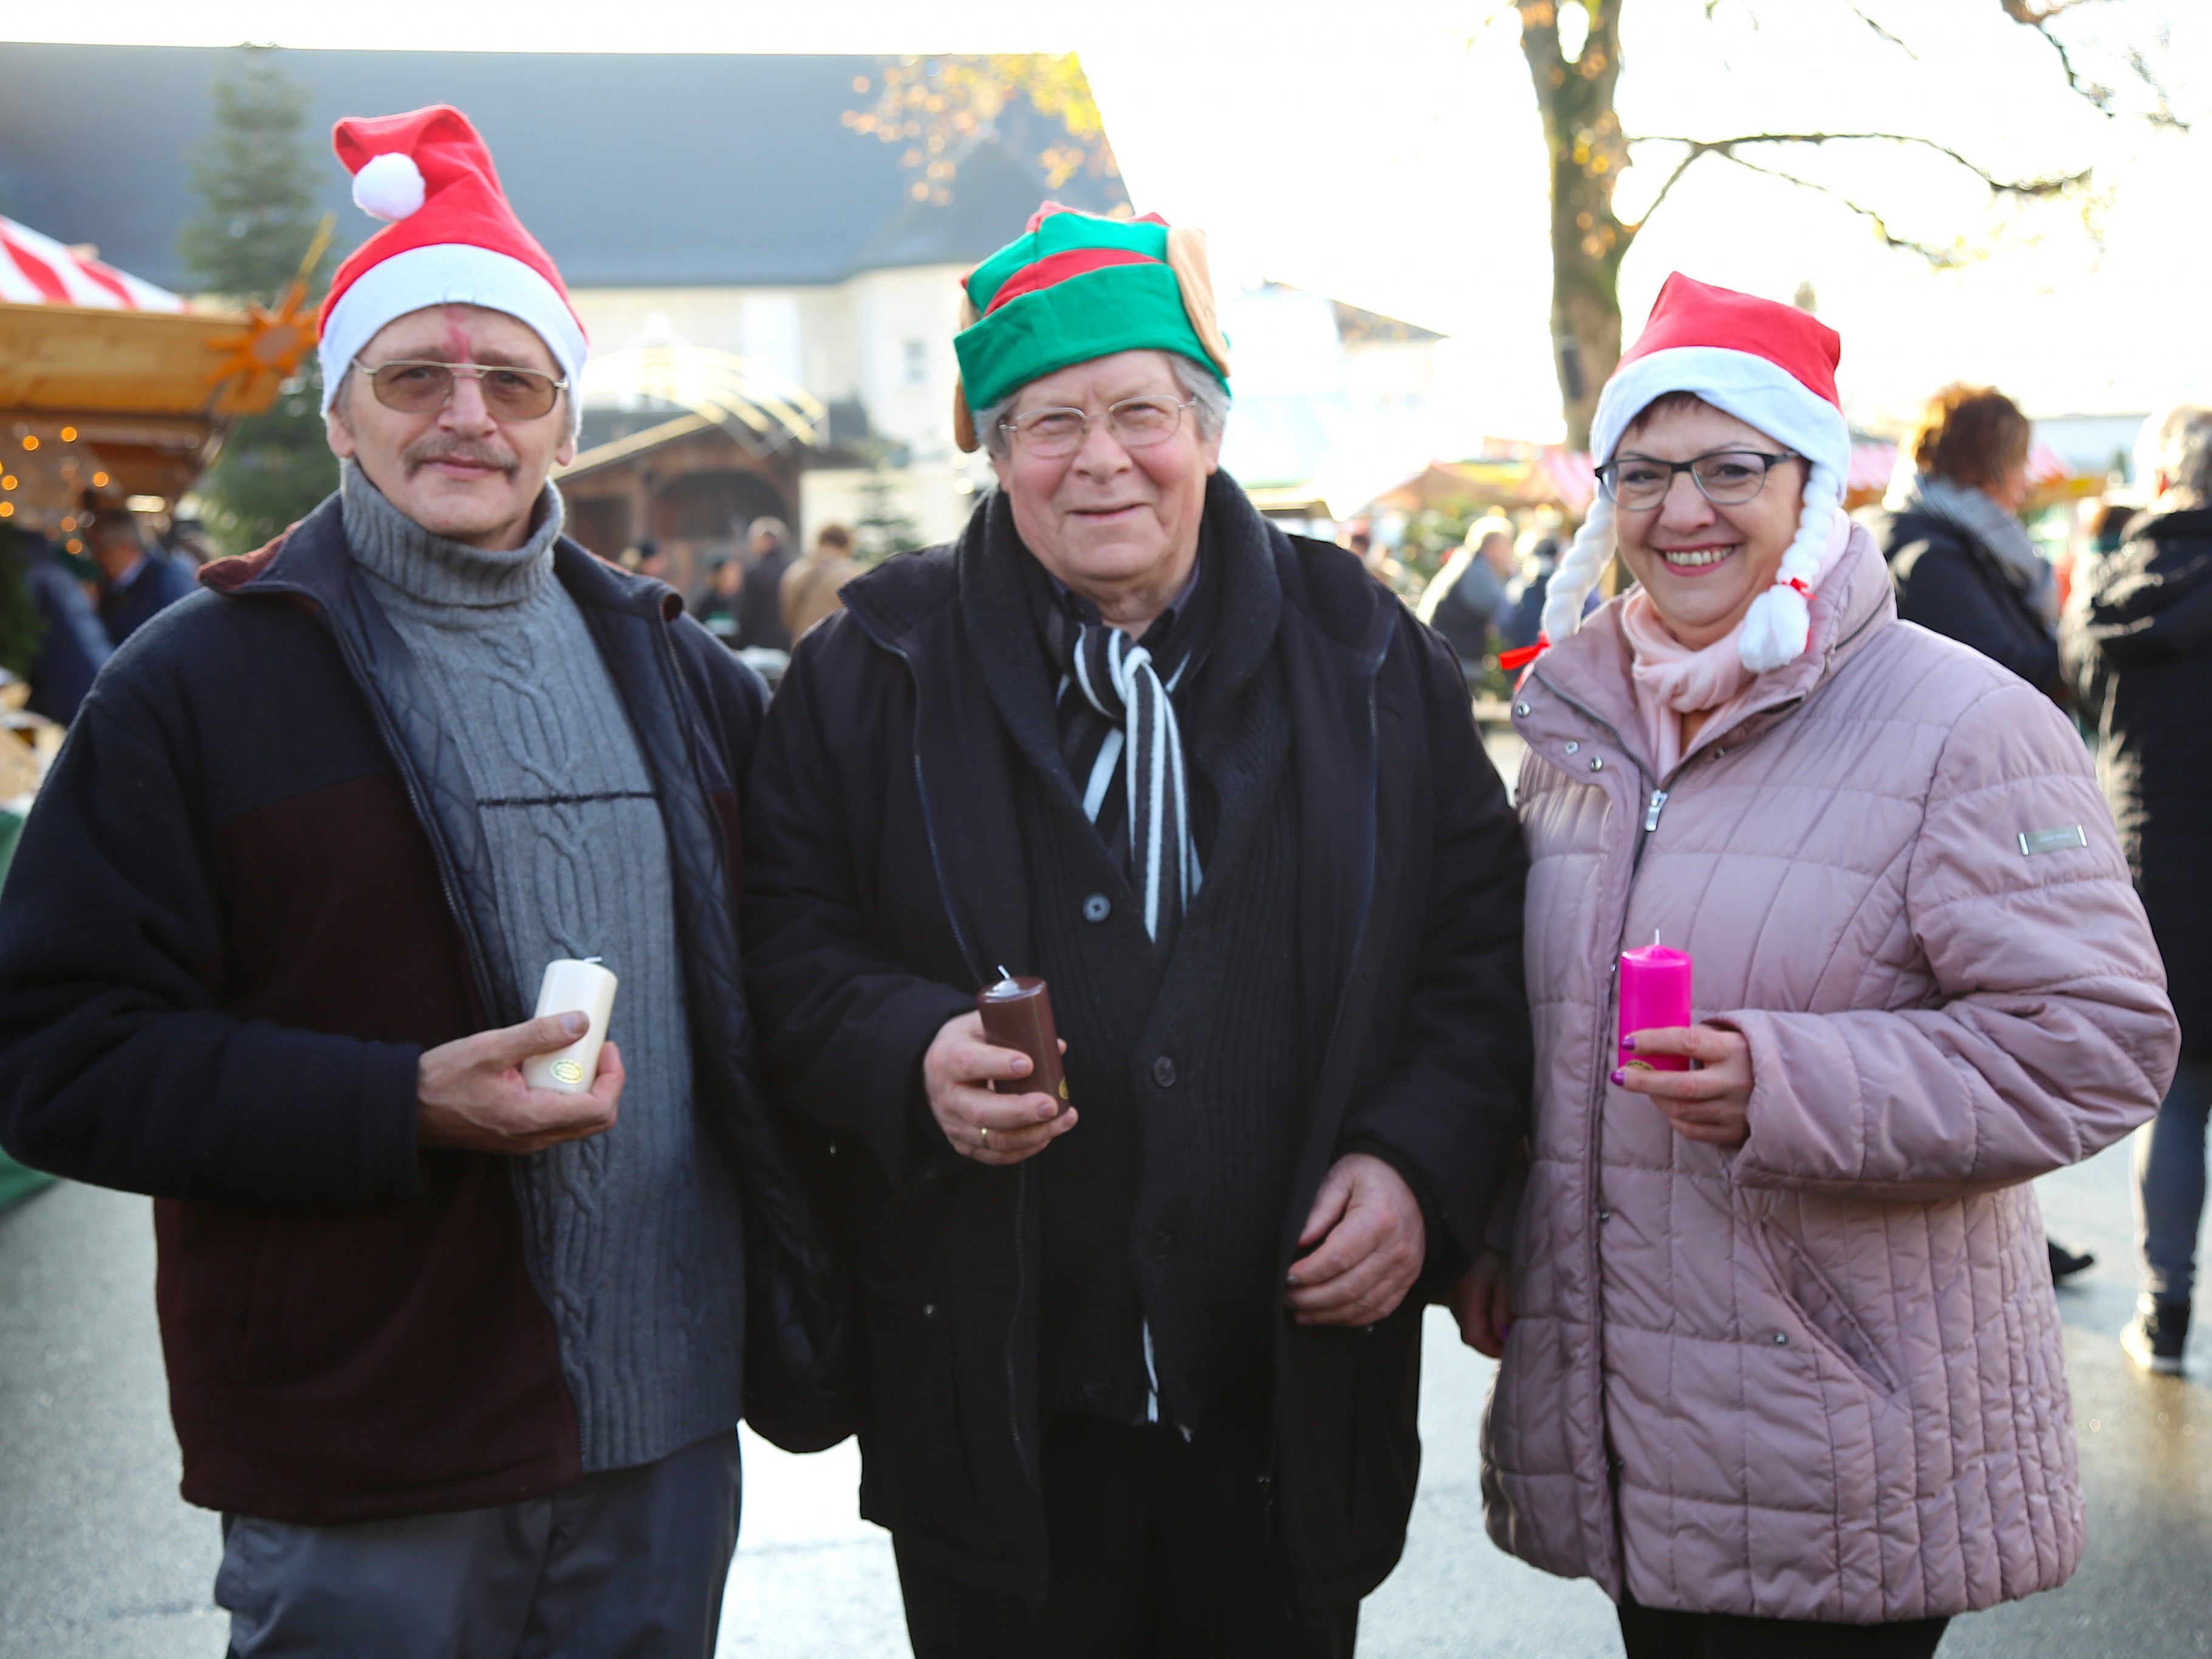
[1620,1080]
[1629,1041]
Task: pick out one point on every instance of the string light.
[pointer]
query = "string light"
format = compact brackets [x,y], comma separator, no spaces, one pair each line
[69,434]
[7,481]
[7,509]
[99,480]
[74,545]
[31,441]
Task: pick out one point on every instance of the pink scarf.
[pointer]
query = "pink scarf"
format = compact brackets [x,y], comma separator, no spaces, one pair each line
[1672,680]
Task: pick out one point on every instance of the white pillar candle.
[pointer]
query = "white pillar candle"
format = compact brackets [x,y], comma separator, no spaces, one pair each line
[572,986]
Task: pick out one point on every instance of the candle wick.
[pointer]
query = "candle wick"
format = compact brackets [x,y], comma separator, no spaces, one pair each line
[1655,939]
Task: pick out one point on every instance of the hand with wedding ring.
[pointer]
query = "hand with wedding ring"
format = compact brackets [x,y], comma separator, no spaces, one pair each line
[990,1129]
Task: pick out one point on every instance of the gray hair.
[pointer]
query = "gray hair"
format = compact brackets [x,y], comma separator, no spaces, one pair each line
[2177,443]
[1209,399]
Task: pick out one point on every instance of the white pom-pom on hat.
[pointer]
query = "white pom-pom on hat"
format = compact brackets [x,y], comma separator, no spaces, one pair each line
[388,187]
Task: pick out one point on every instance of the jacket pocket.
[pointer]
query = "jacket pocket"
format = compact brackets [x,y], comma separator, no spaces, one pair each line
[1821,1309]
[917,1469]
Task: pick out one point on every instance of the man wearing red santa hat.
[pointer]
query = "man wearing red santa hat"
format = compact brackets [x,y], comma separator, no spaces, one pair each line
[459,1359]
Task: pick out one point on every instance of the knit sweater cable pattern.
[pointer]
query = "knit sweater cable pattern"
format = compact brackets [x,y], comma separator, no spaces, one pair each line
[635,1234]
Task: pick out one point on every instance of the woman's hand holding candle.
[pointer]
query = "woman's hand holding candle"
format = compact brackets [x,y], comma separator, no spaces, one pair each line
[957,1073]
[471,1093]
[1711,1104]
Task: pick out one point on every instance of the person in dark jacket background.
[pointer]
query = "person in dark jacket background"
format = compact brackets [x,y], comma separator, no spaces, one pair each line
[72,645]
[2138,641]
[137,582]
[760,609]
[1144,1361]
[459,1359]
[1963,564]
[1961,561]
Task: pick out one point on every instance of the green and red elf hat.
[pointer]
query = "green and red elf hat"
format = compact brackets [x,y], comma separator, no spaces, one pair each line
[1074,286]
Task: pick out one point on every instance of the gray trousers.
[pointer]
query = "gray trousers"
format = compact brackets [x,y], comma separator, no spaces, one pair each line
[2169,1165]
[624,1565]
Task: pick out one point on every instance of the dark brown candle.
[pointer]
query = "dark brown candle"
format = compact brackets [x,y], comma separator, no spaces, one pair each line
[1017,1014]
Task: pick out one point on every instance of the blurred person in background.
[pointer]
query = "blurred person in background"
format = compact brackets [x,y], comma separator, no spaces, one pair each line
[2137,644]
[1466,600]
[188,539]
[760,609]
[812,584]
[1963,563]
[137,580]
[1778,1369]
[72,645]
[646,559]
[717,604]
[1145,1363]
[1524,617]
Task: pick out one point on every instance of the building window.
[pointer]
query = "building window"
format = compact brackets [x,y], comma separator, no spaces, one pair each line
[917,362]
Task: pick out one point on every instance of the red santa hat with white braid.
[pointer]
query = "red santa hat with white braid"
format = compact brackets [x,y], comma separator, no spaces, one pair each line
[452,240]
[1772,367]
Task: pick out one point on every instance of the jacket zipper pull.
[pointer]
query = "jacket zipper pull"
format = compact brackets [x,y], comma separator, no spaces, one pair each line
[1651,815]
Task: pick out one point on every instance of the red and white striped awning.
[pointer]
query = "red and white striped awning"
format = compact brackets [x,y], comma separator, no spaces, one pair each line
[36,270]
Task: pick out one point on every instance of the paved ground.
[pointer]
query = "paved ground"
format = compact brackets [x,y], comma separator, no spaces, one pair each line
[99,1560]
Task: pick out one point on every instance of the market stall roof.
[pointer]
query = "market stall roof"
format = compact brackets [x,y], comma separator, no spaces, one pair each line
[36,270]
[113,378]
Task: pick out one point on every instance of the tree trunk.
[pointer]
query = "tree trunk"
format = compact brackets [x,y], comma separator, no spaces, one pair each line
[1588,242]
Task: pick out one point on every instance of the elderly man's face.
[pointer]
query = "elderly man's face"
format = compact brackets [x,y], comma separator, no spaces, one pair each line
[464,471]
[1119,526]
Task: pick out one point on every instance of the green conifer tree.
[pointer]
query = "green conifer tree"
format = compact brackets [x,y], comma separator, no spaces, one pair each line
[256,178]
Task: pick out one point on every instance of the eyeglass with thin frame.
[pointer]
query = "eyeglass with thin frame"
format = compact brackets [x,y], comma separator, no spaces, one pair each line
[417,386]
[1135,422]
[1726,478]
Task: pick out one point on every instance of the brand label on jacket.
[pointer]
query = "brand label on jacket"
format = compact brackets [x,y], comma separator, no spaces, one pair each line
[2032,841]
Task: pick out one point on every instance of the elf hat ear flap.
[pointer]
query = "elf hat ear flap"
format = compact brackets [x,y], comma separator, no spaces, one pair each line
[963,418]
[1187,258]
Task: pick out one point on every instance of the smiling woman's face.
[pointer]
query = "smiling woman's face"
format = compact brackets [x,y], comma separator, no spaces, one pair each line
[1703,564]
[1119,526]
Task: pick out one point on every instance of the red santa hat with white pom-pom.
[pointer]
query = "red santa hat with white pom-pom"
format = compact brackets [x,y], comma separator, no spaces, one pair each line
[1772,367]
[452,240]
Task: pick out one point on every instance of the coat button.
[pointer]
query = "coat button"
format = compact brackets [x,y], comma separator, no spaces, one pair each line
[1604,1216]
[1097,907]
[1781,1340]
[1521,709]
[1597,763]
[1574,748]
[1164,1071]
[929,1310]
[1160,1245]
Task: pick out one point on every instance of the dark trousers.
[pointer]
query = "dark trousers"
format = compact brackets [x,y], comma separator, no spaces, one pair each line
[1652,1633]
[628,1564]
[1159,1548]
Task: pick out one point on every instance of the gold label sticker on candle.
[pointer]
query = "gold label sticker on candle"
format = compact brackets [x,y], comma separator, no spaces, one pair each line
[1063,1088]
[567,1071]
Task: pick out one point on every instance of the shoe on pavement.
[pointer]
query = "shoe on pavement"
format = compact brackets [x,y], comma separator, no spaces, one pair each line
[2065,1263]
[2155,1336]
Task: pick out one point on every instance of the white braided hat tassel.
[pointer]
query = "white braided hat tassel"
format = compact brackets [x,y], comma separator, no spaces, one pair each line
[1779,622]
[1578,571]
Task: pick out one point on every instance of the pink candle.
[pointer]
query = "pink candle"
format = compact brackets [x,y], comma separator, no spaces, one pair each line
[1654,993]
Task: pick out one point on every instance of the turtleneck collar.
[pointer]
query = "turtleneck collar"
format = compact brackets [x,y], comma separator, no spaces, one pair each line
[394,549]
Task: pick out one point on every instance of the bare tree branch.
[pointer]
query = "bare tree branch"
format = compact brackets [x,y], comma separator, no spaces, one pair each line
[1726,147]
[1941,258]
[1862,14]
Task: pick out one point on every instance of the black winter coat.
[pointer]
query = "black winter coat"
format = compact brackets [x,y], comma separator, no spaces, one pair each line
[1949,584]
[885,883]
[252,891]
[2137,639]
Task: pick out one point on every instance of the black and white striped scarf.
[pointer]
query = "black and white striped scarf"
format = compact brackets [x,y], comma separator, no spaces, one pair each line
[1117,677]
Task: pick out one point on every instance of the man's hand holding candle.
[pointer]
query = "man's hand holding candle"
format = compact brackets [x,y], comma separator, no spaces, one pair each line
[471,1093]
[957,1073]
[1711,1104]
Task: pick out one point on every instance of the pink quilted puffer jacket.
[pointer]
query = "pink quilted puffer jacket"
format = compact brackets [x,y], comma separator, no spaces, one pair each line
[1818,1377]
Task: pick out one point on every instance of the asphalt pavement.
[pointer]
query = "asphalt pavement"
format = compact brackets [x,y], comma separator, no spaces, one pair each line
[100,1559]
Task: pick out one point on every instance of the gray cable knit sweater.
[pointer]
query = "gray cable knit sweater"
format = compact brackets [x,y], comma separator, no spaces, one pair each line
[635,1234]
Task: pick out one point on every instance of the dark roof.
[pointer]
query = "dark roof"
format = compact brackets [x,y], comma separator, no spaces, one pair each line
[633,170]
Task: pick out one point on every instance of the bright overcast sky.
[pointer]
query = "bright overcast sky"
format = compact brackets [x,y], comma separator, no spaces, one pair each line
[1388,154]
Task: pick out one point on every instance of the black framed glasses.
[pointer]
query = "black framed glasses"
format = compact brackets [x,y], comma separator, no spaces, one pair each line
[415,386]
[1135,422]
[1726,478]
